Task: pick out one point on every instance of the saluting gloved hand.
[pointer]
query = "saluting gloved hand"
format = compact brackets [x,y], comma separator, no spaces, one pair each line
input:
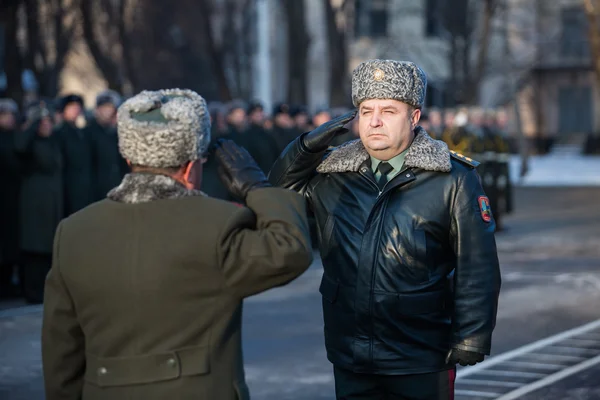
[463,357]
[238,170]
[319,139]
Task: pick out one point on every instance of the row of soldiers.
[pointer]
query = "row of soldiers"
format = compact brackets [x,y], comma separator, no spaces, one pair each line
[481,135]
[55,160]
[474,132]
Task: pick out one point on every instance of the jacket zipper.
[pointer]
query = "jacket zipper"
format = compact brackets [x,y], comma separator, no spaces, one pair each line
[379,193]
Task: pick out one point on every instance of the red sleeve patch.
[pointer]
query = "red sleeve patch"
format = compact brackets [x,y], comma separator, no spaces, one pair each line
[484,208]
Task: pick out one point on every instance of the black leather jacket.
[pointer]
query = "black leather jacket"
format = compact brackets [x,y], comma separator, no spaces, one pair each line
[410,271]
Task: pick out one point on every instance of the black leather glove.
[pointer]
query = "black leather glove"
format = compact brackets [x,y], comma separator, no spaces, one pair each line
[319,139]
[238,170]
[463,357]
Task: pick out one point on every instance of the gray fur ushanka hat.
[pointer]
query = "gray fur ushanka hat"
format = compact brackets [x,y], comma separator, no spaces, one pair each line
[388,79]
[165,128]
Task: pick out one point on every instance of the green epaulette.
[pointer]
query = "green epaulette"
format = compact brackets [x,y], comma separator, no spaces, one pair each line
[464,159]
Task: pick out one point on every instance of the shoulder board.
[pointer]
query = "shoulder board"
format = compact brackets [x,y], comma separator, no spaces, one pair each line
[464,159]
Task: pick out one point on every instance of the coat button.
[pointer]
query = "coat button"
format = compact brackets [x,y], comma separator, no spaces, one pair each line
[171,362]
[102,371]
[408,175]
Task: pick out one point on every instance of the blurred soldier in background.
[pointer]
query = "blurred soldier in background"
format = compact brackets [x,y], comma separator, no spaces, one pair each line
[42,201]
[321,116]
[436,124]
[236,119]
[456,135]
[10,181]
[108,165]
[217,120]
[302,120]
[259,143]
[76,147]
[283,131]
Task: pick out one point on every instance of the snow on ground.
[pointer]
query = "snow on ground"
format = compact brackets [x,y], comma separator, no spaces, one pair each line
[557,170]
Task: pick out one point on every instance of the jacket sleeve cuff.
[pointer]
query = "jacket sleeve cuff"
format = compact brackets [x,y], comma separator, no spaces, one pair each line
[474,349]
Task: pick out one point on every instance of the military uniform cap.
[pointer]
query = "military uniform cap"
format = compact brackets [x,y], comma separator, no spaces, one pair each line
[108,97]
[165,128]
[8,106]
[388,79]
[68,99]
[255,106]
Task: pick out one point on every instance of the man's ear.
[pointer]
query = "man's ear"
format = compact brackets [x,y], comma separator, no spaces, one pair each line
[188,170]
[415,117]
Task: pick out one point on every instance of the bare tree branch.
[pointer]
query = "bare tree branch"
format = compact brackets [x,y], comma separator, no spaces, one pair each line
[298,44]
[123,35]
[338,55]
[215,53]
[105,63]
[489,8]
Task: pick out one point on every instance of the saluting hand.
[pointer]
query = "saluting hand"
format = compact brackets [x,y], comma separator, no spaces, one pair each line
[238,170]
[319,139]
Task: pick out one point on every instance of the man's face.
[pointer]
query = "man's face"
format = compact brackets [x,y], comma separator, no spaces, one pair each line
[45,127]
[237,117]
[284,120]
[502,119]
[301,119]
[257,117]
[321,118]
[435,118]
[7,121]
[105,114]
[476,119]
[386,127]
[449,119]
[71,112]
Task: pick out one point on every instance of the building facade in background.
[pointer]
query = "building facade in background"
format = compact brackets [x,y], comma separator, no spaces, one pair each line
[538,49]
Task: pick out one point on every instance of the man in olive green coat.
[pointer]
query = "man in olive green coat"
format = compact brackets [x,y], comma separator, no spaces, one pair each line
[144,298]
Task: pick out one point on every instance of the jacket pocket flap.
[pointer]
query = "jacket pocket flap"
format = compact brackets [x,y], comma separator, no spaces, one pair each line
[422,303]
[329,288]
[147,368]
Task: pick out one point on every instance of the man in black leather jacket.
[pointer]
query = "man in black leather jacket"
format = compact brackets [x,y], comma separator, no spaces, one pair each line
[411,276]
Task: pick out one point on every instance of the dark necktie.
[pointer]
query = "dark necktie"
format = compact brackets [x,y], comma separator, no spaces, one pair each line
[384,169]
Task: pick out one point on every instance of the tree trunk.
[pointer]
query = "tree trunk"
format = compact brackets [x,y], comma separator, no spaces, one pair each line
[105,63]
[338,59]
[453,69]
[297,49]
[123,34]
[215,54]
[474,82]
[12,58]
[591,11]
[34,44]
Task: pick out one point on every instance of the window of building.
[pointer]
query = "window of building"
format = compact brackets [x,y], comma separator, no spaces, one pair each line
[574,42]
[378,16]
[433,23]
[371,18]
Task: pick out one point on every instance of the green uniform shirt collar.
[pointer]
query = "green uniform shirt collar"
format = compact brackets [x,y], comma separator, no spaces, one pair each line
[396,162]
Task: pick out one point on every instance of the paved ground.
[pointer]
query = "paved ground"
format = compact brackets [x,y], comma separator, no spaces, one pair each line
[550,258]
